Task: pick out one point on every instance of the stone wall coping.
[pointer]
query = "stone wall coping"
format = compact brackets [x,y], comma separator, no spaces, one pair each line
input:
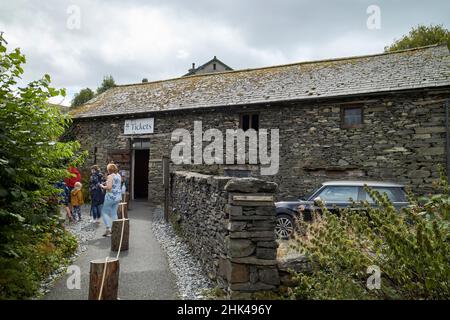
[202,178]
[191,175]
[230,184]
[250,185]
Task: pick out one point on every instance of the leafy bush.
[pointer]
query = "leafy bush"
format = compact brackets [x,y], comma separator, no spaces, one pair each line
[420,36]
[82,97]
[41,250]
[32,160]
[108,82]
[85,187]
[410,247]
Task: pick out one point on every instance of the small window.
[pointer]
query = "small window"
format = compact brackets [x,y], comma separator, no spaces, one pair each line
[249,121]
[394,194]
[214,66]
[352,117]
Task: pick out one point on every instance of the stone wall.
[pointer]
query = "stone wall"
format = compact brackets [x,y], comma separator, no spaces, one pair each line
[198,202]
[229,223]
[402,139]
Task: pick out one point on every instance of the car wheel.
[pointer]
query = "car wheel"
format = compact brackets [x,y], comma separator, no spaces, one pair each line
[284,226]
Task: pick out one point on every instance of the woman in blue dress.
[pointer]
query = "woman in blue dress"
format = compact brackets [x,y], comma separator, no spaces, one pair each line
[112,197]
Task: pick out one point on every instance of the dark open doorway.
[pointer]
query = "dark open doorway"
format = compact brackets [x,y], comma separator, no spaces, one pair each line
[141,158]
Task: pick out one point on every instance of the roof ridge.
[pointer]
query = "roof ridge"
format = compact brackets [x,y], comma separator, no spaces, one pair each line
[283,65]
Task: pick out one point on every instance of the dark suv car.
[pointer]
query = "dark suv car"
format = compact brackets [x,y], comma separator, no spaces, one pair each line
[334,195]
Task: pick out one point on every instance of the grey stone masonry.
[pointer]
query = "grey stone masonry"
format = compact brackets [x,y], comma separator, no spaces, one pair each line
[229,223]
[198,204]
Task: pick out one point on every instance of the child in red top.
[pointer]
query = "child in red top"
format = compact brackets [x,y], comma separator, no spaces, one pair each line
[75,177]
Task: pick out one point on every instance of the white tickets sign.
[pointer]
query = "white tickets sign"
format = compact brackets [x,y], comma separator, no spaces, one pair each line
[139,126]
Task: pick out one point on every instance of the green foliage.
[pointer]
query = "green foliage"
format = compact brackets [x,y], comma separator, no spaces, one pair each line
[411,248]
[108,82]
[87,94]
[421,36]
[82,97]
[32,160]
[42,249]
[214,293]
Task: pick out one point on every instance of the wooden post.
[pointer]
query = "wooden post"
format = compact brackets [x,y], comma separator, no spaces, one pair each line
[122,211]
[116,232]
[111,281]
[166,182]
[127,199]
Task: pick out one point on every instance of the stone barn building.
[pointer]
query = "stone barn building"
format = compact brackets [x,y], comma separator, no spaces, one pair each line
[382,116]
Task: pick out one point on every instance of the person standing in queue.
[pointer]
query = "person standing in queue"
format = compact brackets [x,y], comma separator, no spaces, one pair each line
[112,197]
[97,193]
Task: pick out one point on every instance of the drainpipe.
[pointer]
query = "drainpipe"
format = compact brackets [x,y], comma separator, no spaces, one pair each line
[95,155]
[447,141]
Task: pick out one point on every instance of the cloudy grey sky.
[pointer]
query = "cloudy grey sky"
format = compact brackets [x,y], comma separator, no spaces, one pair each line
[158,39]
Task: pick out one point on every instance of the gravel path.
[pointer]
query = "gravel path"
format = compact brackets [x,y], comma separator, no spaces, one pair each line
[83,230]
[191,279]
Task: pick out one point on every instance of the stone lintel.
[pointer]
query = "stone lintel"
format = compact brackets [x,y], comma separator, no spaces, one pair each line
[251,200]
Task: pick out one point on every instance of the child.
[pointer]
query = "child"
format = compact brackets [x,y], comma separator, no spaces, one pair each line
[77,201]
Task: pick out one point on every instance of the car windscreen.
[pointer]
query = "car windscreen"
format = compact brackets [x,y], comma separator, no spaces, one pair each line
[395,194]
[339,193]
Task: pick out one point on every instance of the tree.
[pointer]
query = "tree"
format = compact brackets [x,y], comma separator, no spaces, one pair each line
[32,160]
[108,82]
[82,97]
[87,94]
[421,36]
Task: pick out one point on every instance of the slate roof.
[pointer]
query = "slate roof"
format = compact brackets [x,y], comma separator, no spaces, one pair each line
[409,69]
[64,109]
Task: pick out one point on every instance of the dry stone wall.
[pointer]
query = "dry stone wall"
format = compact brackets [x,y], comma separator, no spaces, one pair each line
[229,223]
[198,204]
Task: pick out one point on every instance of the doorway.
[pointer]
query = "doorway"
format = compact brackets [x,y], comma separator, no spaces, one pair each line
[140,185]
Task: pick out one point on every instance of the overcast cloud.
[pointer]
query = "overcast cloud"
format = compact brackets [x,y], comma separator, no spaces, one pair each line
[139,39]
